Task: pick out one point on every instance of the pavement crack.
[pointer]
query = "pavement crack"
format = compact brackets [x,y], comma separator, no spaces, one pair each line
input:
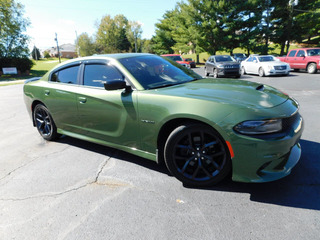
[63,192]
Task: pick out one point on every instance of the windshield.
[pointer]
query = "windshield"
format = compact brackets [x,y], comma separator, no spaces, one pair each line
[154,71]
[266,59]
[224,59]
[240,55]
[313,52]
[174,58]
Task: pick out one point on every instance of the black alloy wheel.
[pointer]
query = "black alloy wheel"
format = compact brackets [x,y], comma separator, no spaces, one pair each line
[197,155]
[44,123]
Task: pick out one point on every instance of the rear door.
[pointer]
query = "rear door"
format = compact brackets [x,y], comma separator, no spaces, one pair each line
[60,96]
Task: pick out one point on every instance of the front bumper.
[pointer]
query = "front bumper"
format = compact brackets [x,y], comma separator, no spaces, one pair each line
[229,72]
[277,72]
[264,160]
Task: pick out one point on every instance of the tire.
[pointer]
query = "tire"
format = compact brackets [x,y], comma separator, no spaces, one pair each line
[206,73]
[243,71]
[197,155]
[261,72]
[215,73]
[312,68]
[44,123]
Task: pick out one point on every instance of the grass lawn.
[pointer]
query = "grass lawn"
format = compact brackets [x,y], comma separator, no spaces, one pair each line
[39,68]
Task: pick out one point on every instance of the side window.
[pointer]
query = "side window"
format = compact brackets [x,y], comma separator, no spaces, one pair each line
[300,53]
[250,59]
[67,75]
[292,53]
[96,75]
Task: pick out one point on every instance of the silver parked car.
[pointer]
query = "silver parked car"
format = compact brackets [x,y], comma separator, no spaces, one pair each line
[264,65]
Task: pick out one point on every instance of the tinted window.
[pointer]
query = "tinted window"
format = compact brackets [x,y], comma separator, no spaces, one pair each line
[250,59]
[292,53]
[67,75]
[313,52]
[300,53]
[153,71]
[96,75]
[224,59]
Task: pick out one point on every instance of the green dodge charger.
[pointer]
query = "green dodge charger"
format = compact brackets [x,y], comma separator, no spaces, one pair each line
[201,128]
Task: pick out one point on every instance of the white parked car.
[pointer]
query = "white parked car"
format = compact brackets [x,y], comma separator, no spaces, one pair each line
[264,65]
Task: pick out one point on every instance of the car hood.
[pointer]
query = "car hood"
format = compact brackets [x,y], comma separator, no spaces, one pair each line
[273,63]
[228,63]
[227,91]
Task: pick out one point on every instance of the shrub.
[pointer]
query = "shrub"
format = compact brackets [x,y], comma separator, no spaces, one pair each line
[22,64]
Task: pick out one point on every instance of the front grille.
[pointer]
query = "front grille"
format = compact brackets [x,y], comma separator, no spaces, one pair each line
[231,66]
[283,67]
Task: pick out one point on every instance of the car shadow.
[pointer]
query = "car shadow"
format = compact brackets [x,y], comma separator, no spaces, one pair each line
[301,189]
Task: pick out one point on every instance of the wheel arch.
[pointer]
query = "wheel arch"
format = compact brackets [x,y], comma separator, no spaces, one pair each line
[33,105]
[172,124]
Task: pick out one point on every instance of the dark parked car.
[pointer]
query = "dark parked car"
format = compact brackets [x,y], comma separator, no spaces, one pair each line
[191,62]
[239,57]
[222,65]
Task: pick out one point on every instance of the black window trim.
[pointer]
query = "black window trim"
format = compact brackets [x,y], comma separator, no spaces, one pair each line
[73,64]
[100,62]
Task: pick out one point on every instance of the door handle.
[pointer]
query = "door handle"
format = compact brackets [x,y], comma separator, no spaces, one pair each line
[82,100]
[46,92]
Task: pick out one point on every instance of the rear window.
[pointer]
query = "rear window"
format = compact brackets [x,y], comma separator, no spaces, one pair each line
[66,75]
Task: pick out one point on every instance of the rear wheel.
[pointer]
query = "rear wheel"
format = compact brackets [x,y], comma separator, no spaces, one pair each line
[312,68]
[261,72]
[44,123]
[197,155]
[206,73]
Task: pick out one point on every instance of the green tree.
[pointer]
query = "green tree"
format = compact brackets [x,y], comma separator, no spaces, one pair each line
[13,40]
[163,41]
[134,32]
[111,36]
[35,53]
[85,45]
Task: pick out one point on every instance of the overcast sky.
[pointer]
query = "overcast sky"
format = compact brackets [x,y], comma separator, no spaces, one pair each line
[66,17]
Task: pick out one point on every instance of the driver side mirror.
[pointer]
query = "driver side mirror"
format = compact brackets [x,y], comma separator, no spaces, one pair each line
[116,85]
[255,61]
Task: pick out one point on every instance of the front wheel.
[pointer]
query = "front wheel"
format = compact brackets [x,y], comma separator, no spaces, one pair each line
[44,123]
[197,155]
[312,68]
[243,71]
[261,72]
[215,73]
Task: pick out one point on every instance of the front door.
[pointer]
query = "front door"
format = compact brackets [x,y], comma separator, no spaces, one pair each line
[110,116]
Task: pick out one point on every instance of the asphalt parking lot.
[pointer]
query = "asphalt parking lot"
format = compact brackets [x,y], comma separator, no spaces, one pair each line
[71,189]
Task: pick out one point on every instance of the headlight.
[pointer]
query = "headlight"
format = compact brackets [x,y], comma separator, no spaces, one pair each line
[270,67]
[259,127]
[220,66]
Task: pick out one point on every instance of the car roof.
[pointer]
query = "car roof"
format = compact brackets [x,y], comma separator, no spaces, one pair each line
[305,48]
[164,55]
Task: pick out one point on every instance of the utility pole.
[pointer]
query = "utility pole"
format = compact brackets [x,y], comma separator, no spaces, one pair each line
[56,39]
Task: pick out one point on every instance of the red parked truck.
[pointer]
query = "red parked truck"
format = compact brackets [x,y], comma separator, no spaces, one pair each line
[303,58]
